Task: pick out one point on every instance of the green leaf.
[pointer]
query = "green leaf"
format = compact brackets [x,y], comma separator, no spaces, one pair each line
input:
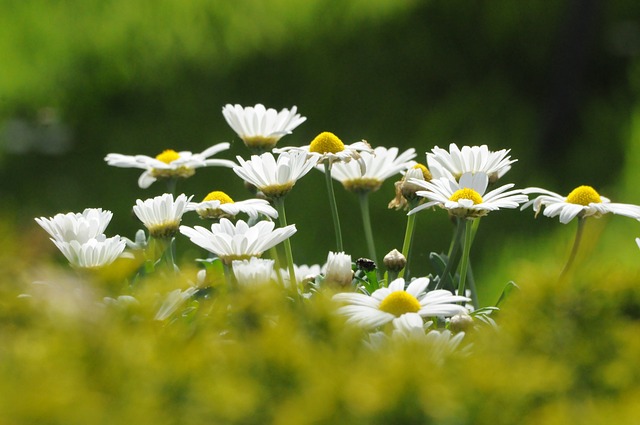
[506,292]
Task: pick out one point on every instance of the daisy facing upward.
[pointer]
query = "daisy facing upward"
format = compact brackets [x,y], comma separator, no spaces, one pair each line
[326,148]
[467,201]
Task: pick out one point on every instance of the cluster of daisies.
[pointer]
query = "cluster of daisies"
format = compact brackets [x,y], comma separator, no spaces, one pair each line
[243,236]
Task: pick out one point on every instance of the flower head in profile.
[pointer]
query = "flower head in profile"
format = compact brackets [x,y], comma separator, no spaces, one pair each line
[582,202]
[80,227]
[237,241]
[261,128]
[304,273]
[328,148]
[337,270]
[170,164]
[274,177]
[253,272]
[386,304]
[162,215]
[406,190]
[455,162]
[379,165]
[217,205]
[93,253]
[173,301]
[468,198]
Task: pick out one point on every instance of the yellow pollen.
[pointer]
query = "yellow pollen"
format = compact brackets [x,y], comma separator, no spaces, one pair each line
[168,156]
[217,195]
[584,195]
[466,193]
[399,303]
[326,142]
[425,171]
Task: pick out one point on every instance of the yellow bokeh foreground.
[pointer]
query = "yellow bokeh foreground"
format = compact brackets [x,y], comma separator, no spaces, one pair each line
[565,352]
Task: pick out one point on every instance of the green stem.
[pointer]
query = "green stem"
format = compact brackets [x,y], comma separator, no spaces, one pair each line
[282,217]
[574,249]
[406,246]
[453,253]
[464,261]
[334,206]
[471,282]
[169,255]
[172,182]
[366,221]
[161,250]
[229,277]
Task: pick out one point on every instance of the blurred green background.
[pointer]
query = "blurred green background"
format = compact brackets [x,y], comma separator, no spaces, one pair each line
[555,82]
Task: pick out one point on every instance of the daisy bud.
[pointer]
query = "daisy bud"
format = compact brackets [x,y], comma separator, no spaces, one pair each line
[461,323]
[394,261]
[338,271]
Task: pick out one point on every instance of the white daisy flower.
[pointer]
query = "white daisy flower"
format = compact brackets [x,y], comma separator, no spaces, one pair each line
[169,163]
[467,199]
[338,269]
[93,253]
[638,242]
[444,343]
[304,273]
[261,128]
[386,304]
[409,325]
[172,302]
[406,327]
[327,147]
[274,177]
[379,165]
[583,201]
[238,241]
[162,215]
[406,190]
[80,227]
[218,204]
[253,272]
[454,163]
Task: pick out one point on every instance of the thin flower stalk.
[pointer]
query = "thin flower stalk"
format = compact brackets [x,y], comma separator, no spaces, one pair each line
[464,261]
[408,243]
[366,222]
[574,249]
[282,217]
[452,254]
[334,206]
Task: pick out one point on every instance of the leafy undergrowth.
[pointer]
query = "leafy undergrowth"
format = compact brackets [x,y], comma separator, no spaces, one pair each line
[73,353]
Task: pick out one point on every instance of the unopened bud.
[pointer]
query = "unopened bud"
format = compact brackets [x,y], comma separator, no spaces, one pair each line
[394,261]
[461,323]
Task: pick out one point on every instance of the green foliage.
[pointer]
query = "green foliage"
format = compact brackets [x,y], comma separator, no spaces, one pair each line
[563,350]
[53,46]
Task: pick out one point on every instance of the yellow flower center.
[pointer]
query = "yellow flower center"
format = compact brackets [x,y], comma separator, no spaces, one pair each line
[584,195]
[217,195]
[168,156]
[425,171]
[399,303]
[326,142]
[466,193]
